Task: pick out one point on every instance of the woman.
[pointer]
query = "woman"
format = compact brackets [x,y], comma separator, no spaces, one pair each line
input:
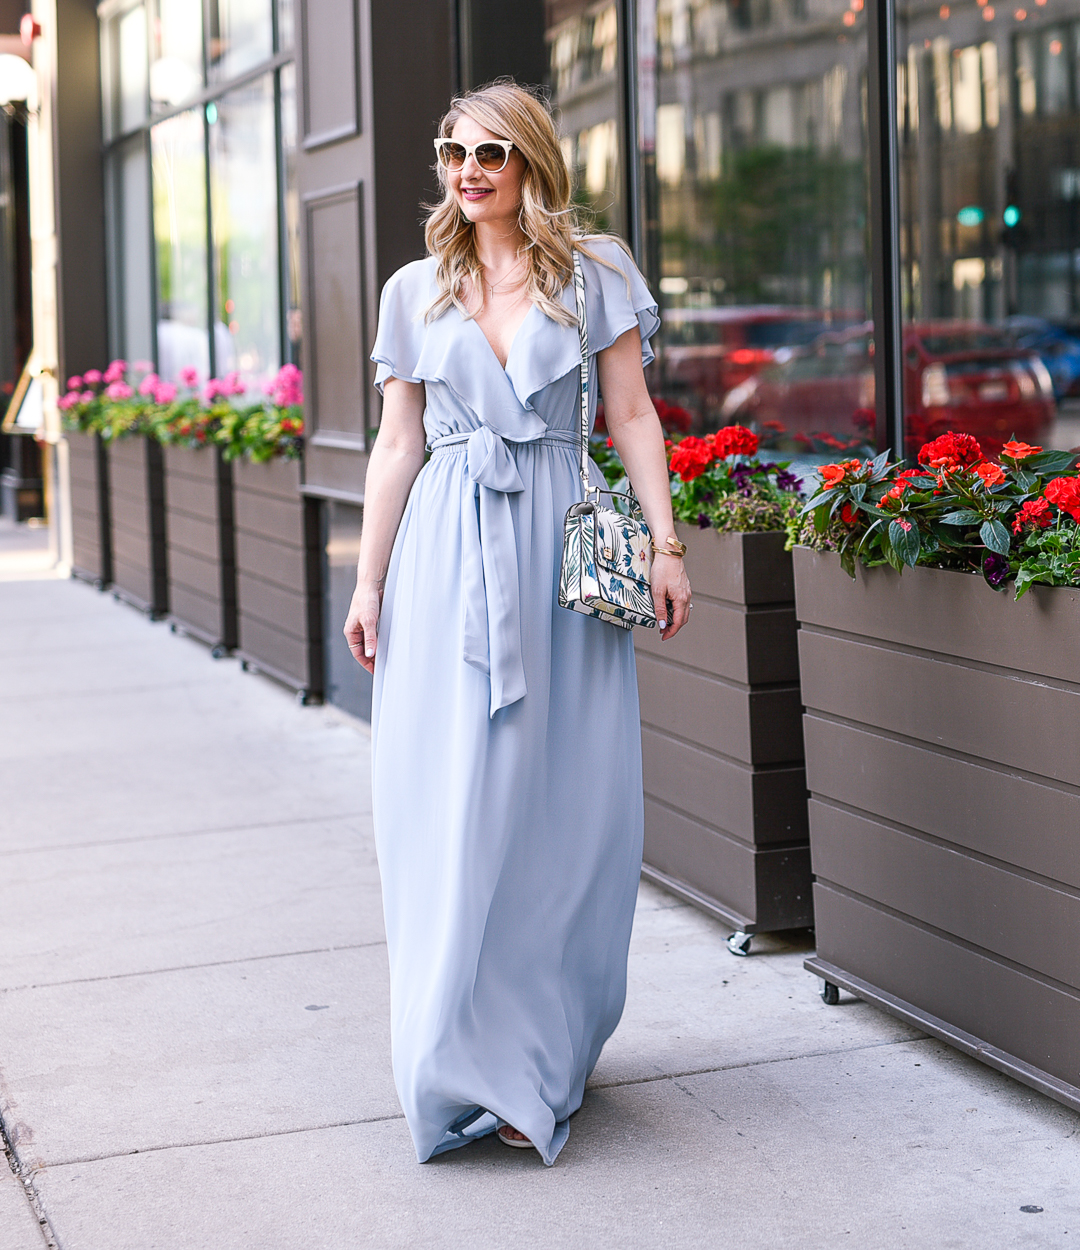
[505,737]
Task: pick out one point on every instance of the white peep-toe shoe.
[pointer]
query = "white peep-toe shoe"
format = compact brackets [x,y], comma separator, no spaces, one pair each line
[524,1144]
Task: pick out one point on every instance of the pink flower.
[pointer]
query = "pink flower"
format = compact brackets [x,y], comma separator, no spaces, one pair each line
[116,370]
[75,383]
[165,392]
[86,397]
[118,390]
[66,401]
[287,389]
[189,376]
[92,377]
[231,384]
[213,390]
[143,366]
[148,384]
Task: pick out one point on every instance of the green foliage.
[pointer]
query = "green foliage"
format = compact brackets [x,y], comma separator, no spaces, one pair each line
[1049,557]
[956,509]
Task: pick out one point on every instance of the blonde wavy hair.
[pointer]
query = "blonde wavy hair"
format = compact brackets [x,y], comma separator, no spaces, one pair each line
[547,218]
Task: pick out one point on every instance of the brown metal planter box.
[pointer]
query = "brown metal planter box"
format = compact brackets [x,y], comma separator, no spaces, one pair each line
[941,727]
[137,508]
[279,576]
[725,788]
[88,466]
[201,545]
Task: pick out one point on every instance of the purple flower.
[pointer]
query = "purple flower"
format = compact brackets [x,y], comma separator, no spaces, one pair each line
[703,521]
[787,481]
[995,569]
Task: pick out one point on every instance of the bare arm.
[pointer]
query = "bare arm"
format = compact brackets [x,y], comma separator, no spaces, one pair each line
[635,430]
[396,459]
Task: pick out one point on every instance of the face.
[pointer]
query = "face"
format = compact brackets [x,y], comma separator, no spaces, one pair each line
[485,197]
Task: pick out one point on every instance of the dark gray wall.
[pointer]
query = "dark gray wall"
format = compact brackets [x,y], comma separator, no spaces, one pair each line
[500,37]
[80,199]
[11,12]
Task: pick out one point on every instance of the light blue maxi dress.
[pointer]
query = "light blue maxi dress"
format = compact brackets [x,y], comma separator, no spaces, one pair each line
[506,748]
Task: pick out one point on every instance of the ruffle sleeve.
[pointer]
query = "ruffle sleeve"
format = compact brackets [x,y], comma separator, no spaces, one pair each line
[612,307]
[399,340]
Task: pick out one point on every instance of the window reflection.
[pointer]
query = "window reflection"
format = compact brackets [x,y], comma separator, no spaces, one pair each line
[294,325]
[990,240]
[243,182]
[759,232]
[176,52]
[128,189]
[179,177]
[241,35]
[583,46]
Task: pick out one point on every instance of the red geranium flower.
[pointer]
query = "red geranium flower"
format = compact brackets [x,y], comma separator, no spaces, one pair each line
[691,458]
[1034,514]
[849,514]
[1065,492]
[951,451]
[735,440]
[1019,451]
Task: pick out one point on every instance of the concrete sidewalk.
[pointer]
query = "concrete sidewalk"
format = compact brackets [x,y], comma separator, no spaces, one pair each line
[193,1016]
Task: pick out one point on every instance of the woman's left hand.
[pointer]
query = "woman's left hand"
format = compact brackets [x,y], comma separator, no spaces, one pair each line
[671,594]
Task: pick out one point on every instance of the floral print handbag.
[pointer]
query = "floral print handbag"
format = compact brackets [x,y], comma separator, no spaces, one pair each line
[607,555]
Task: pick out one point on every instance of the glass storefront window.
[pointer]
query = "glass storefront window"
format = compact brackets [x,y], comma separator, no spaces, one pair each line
[124,78]
[241,35]
[756,219]
[244,210]
[131,289]
[176,52]
[178,160]
[294,324]
[583,55]
[990,215]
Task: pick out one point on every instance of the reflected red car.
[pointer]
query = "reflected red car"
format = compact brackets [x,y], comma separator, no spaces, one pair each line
[816,398]
[962,376]
[710,351]
[970,377]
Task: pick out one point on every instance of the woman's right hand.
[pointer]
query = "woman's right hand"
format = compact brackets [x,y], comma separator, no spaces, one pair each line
[362,623]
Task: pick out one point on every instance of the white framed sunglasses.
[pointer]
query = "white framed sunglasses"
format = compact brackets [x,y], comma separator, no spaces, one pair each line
[490,154]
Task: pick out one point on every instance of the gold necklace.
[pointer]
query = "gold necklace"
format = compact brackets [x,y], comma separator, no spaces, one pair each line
[503,285]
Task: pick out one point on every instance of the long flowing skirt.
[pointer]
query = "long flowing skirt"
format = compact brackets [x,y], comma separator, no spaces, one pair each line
[509,845]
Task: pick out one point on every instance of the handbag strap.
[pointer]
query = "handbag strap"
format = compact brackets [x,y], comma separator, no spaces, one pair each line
[583,336]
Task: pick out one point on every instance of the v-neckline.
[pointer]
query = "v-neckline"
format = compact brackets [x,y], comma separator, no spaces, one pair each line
[513,341]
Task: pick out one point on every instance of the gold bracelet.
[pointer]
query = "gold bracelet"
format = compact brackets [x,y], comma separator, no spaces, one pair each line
[671,547]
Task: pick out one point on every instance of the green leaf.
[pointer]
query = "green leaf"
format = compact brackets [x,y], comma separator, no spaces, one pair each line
[905,542]
[858,492]
[877,466]
[995,536]
[962,516]
[1025,480]
[1052,463]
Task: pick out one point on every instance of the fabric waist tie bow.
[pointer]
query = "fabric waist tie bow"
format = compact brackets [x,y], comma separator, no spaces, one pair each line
[489,561]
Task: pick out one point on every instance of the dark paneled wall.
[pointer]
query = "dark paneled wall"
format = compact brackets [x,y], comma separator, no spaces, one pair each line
[502,37]
[80,221]
[412,82]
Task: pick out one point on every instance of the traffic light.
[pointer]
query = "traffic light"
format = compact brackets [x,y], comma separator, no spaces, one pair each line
[1012,215]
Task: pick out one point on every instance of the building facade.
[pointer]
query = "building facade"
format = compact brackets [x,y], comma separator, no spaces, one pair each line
[861,217]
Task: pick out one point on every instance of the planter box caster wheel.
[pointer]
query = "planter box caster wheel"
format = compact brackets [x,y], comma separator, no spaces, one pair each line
[219,652]
[739,943]
[245,667]
[173,628]
[830,994]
